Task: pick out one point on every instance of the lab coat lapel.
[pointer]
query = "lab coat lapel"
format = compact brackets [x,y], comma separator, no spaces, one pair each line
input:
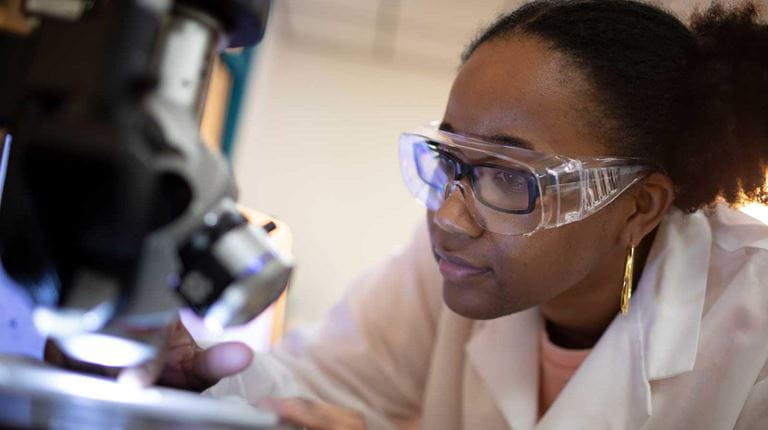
[442,404]
[505,354]
[677,272]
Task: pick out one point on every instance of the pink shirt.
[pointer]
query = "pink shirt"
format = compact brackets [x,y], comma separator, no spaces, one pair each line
[556,366]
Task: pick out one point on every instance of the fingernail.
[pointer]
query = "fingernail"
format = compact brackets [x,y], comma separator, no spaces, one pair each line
[236,358]
[229,359]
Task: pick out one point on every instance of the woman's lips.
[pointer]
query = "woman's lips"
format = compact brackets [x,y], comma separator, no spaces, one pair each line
[456,269]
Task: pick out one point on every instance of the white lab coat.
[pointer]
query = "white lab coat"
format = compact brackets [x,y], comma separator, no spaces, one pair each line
[691,353]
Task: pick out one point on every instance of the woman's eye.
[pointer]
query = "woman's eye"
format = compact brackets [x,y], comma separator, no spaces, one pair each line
[510,181]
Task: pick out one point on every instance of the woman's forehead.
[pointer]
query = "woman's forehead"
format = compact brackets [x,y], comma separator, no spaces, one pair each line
[520,88]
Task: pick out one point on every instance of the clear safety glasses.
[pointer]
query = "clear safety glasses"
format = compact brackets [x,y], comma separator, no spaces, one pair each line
[511,190]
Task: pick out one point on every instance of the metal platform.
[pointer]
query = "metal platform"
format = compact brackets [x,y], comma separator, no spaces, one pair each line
[34,395]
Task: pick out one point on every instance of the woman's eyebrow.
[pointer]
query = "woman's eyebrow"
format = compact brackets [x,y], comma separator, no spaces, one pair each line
[506,139]
[503,139]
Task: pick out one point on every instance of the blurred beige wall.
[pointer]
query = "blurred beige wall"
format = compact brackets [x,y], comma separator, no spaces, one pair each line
[318,143]
[337,81]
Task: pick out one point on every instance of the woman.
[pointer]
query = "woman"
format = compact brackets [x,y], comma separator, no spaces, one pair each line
[593,274]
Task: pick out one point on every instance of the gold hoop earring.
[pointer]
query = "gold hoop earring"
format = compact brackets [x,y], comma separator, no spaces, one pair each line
[626,288]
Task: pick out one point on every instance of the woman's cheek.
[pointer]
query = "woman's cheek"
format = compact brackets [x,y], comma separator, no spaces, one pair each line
[532,269]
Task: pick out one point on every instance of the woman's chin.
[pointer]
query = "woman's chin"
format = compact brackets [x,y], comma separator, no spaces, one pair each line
[474,302]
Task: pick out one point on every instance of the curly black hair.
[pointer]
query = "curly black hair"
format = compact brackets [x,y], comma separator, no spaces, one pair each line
[692,99]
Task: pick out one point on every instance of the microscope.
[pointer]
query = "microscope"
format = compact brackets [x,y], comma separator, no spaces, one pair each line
[114,215]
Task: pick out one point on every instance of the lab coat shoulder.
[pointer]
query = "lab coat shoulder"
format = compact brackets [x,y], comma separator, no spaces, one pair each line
[726,385]
[737,302]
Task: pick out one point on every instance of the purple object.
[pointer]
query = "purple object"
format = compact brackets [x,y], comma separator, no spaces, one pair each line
[18,335]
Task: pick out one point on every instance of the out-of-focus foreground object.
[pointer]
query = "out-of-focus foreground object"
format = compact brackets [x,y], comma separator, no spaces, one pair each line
[111,195]
[114,214]
[263,332]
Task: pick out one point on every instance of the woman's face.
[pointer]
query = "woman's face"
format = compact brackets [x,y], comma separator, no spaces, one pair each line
[519,88]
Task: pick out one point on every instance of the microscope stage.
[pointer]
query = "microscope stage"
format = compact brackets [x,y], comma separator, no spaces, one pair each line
[34,395]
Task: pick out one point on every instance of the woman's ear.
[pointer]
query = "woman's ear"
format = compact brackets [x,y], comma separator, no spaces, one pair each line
[651,199]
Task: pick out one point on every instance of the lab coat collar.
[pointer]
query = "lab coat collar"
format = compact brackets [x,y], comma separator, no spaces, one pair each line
[505,353]
[657,339]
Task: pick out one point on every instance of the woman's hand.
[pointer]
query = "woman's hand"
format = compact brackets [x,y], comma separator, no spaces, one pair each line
[186,366]
[313,415]
[181,364]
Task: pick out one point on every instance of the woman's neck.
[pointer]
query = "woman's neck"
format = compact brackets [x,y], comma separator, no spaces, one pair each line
[577,318]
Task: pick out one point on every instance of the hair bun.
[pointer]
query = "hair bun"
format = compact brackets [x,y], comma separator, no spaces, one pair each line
[729,92]
[734,34]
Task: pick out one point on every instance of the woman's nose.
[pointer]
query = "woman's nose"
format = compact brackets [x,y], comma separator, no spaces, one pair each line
[453,215]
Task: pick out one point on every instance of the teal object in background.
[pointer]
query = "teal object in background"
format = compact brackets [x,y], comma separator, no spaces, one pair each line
[239,66]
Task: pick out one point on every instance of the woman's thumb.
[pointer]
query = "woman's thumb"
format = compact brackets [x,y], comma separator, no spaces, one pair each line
[222,360]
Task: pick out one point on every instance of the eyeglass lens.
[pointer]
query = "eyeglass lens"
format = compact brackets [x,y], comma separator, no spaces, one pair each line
[504,189]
